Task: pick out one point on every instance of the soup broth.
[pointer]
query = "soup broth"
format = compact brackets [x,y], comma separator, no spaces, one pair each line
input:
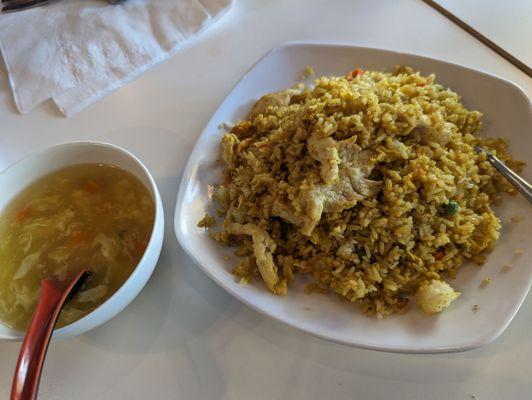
[91,216]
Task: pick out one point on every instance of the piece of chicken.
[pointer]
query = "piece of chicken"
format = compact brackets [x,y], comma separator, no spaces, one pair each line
[228,144]
[270,100]
[263,249]
[434,296]
[324,149]
[350,186]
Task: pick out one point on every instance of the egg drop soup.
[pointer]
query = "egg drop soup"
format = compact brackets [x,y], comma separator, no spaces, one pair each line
[93,216]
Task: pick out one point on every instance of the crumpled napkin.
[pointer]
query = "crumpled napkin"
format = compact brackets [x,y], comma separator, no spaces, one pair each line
[77,51]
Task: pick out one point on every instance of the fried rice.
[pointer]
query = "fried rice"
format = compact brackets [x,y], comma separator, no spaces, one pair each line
[368,183]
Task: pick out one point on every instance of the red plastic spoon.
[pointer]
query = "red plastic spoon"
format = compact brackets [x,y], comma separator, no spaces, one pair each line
[33,351]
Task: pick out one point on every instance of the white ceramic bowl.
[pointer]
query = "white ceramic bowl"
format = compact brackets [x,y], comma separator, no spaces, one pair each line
[507,113]
[18,176]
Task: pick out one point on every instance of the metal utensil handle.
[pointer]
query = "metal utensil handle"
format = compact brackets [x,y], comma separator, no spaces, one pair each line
[519,183]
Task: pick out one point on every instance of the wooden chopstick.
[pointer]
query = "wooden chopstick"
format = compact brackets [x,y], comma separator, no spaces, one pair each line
[18,5]
[479,36]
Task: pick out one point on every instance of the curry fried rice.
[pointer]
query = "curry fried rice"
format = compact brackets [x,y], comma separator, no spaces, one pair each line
[368,183]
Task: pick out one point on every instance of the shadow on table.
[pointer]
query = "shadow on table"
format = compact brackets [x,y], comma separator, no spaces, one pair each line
[5,90]
[171,315]
[360,363]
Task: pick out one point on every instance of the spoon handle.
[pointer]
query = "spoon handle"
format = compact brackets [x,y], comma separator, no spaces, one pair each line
[37,339]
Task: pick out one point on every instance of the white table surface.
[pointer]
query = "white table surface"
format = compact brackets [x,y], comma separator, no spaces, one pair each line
[507,23]
[184,337]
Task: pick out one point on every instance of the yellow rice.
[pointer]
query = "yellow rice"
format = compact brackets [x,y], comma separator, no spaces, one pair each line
[349,181]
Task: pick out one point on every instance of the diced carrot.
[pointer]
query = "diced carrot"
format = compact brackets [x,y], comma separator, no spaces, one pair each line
[423,84]
[439,254]
[78,237]
[354,73]
[227,180]
[263,145]
[23,214]
[91,186]
[422,172]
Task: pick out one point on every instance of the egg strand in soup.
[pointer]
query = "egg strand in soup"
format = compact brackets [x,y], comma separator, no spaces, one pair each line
[93,216]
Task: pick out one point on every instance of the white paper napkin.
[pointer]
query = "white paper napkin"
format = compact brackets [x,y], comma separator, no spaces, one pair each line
[77,51]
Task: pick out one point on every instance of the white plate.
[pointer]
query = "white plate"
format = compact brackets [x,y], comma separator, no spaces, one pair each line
[507,114]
